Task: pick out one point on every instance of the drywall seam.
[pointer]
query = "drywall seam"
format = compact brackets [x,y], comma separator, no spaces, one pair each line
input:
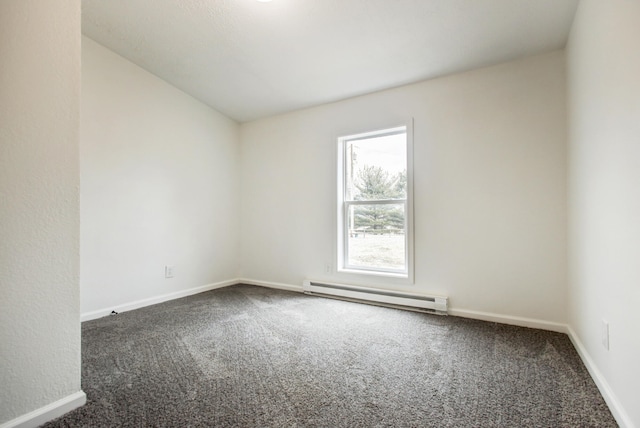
[48,412]
[607,393]
[88,316]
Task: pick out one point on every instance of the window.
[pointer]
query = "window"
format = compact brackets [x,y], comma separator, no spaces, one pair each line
[374,202]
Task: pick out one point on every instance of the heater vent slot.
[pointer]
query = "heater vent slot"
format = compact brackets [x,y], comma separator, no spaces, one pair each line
[395,299]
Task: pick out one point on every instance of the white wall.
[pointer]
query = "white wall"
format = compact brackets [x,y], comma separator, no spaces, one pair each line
[159,186]
[490,187]
[604,196]
[39,208]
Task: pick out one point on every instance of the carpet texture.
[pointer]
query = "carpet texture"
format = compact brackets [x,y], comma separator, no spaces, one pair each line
[254,357]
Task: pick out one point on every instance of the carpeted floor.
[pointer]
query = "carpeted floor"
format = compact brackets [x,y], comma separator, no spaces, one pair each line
[254,357]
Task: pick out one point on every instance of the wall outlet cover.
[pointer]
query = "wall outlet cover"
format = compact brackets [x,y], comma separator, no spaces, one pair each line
[169,271]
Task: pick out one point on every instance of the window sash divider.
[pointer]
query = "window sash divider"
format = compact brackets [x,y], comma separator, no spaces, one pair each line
[377,202]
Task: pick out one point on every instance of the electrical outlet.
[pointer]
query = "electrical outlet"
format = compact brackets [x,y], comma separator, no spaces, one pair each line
[327,268]
[605,334]
[169,271]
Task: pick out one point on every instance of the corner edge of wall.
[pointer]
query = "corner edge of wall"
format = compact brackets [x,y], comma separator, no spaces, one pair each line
[616,408]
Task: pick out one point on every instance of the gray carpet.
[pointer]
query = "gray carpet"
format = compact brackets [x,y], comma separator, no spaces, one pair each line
[254,357]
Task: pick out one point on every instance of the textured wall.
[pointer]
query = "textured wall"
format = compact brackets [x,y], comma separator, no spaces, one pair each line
[604,201]
[489,186]
[159,174]
[39,209]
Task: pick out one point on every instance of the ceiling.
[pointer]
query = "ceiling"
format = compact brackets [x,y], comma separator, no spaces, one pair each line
[249,59]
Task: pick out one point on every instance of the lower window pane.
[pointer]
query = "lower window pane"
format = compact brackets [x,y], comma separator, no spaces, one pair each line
[376,236]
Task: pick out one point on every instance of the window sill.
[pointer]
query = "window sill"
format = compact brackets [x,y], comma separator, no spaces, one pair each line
[374,273]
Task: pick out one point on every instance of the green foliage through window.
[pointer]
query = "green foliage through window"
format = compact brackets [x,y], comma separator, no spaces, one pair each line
[374,201]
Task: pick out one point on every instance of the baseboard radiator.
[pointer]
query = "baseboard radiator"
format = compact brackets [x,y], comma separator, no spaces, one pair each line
[394,299]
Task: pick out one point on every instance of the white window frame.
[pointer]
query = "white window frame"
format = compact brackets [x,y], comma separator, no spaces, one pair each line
[343,205]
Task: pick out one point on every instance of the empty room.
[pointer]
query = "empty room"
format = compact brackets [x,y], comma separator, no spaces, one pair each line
[415,213]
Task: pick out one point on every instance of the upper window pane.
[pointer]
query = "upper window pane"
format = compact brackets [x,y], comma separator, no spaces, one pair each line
[376,167]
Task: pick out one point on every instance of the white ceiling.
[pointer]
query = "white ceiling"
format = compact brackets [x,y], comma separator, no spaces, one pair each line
[249,59]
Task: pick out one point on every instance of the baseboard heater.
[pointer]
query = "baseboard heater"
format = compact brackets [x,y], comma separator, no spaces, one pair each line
[394,299]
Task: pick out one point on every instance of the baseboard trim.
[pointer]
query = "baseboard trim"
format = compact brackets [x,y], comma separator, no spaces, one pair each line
[49,412]
[60,407]
[511,320]
[483,316]
[610,398]
[88,316]
[276,285]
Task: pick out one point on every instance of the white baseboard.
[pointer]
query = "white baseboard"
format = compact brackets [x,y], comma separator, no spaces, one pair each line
[48,412]
[615,407]
[511,320]
[60,407]
[484,316]
[610,398]
[276,285]
[87,316]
